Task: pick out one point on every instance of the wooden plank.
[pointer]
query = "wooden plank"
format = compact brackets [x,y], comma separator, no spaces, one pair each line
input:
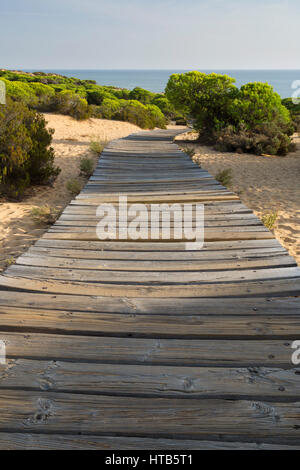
[150,277]
[163,224]
[151,381]
[138,325]
[32,259]
[155,200]
[260,288]
[27,441]
[205,254]
[251,307]
[163,417]
[155,351]
[214,235]
[173,247]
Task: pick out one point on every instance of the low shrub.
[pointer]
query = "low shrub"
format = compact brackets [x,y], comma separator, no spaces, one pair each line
[110,108]
[19,91]
[25,153]
[141,95]
[156,117]
[269,220]
[74,186]
[224,177]
[165,106]
[146,117]
[97,146]
[70,104]
[266,138]
[294,109]
[96,96]
[86,167]
[44,214]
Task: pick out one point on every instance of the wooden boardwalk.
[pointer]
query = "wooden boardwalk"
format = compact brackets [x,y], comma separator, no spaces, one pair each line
[144,345]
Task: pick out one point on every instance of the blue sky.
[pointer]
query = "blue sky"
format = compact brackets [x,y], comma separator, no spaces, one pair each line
[159,34]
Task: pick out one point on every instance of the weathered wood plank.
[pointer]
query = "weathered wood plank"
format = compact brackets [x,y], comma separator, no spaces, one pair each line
[160,326]
[151,381]
[202,255]
[150,277]
[221,235]
[19,441]
[32,259]
[157,246]
[261,288]
[251,307]
[178,352]
[56,412]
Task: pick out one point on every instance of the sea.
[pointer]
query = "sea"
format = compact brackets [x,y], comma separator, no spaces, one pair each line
[284,82]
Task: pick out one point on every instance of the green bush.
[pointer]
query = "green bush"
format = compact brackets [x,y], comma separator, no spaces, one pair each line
[25,153]
[109,108]
[96,96]
[224,177]
[157,118]
[251,119]
[294,109]
[20,92]
[86,167]
[266,138]
[97,146]
[146,117]
[257,104]
[70,104]
[165,106]
[74,186]
[206,98]
[141,95]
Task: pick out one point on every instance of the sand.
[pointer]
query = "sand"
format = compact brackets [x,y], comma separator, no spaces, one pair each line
[71,142]
[266,184]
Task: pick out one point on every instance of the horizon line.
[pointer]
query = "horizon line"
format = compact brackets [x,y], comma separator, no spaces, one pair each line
[149,69]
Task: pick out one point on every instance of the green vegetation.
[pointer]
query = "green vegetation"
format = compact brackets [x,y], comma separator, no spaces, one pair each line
[25,153]
[9,262]
[97,146]
[251,119]
[45,214]
[269,220]
[86,167]
[224,177]
[294,109]
[74,186]
[82,99]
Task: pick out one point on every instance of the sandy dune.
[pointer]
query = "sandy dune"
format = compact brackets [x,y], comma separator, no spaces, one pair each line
[266,184]
[71,142]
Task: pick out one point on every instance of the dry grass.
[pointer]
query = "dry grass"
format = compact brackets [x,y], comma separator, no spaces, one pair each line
[74,186]
[224,177]
[86,167]
[97,146]
[44,214]
[269,220]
